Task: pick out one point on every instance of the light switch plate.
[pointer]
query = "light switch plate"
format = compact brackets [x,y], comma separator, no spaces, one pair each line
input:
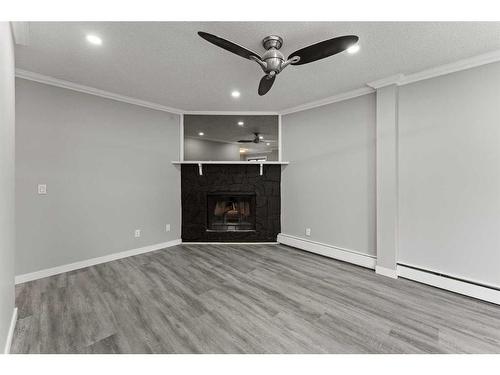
[42,189]
[137,233]
[308,231]
[167,228]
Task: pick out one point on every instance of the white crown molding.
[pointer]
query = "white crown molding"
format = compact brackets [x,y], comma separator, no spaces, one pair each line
[397,79]
[401,79]
[472,62]
[19,279]
[36,77]
[391,80]
[332,99]
[20,31]
[48,80]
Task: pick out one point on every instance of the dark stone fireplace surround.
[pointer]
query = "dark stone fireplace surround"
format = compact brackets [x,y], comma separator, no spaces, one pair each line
[231,178]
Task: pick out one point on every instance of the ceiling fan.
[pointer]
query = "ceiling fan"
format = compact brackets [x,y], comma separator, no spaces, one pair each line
[273,61]
[257,139]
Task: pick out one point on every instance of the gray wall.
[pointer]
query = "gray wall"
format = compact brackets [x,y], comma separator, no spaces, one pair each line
[7,222]
[107,166]
[201,149]
[329,185]
[449,174]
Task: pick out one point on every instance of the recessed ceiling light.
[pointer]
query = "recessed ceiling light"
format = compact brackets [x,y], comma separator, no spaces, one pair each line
[94,39]
[268,144]
[241,123]
[261,137]
[235,94]
[201,133]
[353,49]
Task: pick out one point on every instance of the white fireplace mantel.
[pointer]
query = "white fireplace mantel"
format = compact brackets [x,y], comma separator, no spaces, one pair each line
[259,163]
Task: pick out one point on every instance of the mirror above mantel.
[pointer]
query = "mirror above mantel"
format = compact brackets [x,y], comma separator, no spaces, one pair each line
[231,138]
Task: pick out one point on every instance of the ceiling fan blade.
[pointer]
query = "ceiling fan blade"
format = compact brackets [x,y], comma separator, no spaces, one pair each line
[265,84]
[245,141]
[324,49]
[228,46]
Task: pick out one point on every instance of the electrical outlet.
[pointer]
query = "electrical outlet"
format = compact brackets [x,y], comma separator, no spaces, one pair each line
[308,231]
[137,233]
[167,228]
[42,189]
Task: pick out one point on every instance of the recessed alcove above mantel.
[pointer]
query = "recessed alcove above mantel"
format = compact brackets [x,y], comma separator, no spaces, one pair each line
[230,137]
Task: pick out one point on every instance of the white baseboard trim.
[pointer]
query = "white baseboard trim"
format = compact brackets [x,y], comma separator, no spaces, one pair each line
[230,243]
[330,251]
[386,272]
[457,286]
[10,334]
[19,279]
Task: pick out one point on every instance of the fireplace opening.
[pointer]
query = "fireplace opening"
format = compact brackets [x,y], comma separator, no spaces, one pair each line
[230,212]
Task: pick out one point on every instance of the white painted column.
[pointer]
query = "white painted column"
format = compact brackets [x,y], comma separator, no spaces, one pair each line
[387,179]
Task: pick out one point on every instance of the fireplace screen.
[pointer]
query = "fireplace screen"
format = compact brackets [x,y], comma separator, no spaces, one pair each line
[231,212]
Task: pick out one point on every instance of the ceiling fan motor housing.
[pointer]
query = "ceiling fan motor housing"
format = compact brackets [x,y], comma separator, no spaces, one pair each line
[272,41]
[272,57]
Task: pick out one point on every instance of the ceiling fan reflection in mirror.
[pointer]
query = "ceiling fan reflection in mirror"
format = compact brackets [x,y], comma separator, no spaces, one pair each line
[273,61]
[258,138]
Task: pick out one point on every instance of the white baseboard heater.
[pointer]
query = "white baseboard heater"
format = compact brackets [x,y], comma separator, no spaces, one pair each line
[469,288]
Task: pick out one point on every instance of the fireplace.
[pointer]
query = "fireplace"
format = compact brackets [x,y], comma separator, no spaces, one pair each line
[230,212]
[230,203]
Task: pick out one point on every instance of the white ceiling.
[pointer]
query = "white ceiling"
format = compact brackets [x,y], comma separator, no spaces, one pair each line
[169,64]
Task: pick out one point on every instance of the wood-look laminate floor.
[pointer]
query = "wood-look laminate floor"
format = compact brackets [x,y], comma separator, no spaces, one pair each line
[245,299]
